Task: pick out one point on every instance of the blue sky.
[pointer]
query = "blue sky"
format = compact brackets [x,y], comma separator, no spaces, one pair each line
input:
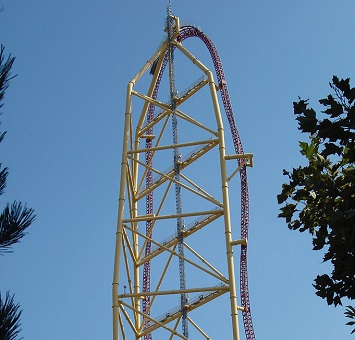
[64,114]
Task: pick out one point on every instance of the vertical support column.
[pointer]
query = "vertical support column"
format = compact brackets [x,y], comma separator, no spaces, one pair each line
[173,24]
[226,207]
[121,202]
[135,238]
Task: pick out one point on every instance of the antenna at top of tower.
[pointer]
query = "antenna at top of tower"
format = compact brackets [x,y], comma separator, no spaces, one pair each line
[169,8]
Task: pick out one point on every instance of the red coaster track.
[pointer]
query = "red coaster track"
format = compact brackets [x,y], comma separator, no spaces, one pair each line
[188,32]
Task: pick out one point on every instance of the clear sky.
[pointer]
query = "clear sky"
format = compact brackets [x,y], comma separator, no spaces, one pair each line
[64,114]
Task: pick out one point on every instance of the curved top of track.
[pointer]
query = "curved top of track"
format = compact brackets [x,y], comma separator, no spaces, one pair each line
[192,31]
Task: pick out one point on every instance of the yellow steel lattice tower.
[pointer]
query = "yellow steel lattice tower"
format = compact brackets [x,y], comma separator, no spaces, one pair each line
[152,298]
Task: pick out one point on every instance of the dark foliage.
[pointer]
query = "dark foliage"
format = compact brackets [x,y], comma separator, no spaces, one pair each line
[10,314]
[5,74]
[5,77]
[3,176]
[14,220]
[350,313]
[320,197]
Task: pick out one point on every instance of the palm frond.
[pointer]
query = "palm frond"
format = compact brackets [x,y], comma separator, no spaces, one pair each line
[10,314]
[14,220]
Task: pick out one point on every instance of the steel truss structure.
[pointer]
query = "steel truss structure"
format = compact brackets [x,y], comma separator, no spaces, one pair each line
[168,215]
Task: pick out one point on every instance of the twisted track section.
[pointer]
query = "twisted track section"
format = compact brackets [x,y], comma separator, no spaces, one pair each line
[188,32]
[191,31]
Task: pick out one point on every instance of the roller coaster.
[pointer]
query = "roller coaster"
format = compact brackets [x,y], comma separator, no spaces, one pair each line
[159,255]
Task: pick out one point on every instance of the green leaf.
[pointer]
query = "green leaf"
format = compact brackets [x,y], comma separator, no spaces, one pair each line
[301,195]
[287,211]
[285,173]
[332,131]
[304,147]
[308,121]
[331,149]
[335,109]
[300,106]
